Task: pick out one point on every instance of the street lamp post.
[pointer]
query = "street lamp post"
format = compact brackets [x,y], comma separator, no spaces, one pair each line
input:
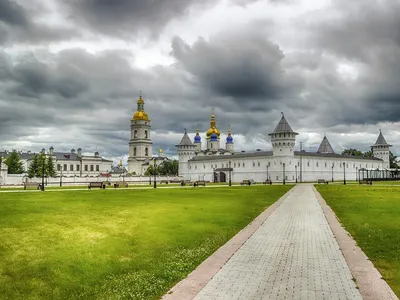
[155,181]
[230,171]
[43,159]
[344,173]
[356,173]
[61,176]
[332,171]
[1,161]
[267,171]
[295,169]
[284,177]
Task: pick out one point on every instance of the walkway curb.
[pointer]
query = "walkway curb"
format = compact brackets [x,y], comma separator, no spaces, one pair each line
[189,287]
[368,279]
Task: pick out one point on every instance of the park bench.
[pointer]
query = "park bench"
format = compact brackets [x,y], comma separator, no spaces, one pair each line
[245,182]
[322,181]
[267,181]
[186,182]
[200,182]
[96,184]
[120,184]
[31,185]
[164,181]
[369,182]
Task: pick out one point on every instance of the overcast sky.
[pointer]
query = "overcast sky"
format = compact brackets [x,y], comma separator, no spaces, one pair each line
[70,74]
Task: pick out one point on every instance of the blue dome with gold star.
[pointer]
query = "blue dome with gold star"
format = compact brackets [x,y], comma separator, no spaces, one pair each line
[214,137]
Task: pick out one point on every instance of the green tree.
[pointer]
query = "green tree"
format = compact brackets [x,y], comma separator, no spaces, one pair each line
[50,171]
[36,166]
[392,161]
[352,152]
[14,163]
[33,166]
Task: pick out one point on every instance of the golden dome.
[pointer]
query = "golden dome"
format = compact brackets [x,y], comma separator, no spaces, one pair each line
[140,100]
[213,126]
[160,150]
[141,115]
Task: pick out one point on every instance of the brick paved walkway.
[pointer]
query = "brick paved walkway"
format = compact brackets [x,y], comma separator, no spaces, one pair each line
[293,255]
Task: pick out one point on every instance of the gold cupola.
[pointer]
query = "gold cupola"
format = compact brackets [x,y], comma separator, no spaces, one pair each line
[140,114]
[213,126]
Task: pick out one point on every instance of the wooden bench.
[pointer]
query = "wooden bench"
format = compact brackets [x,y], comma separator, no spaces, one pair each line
[96,184]
[186,182]
[245,182]
[164,181]
[120,184]
[32,185]
[268,181]
[200,182]
[322,181]
[369,182]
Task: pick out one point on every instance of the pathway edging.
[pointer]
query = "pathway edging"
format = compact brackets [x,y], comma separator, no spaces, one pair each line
[189,287]
[368,278]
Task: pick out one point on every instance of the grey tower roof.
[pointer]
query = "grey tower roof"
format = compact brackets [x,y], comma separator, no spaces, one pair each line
[381,140]
[325,146]
[185,141]
[283,126]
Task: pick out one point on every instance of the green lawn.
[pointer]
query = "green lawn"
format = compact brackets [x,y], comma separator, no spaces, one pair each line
[124,244]
[371,214]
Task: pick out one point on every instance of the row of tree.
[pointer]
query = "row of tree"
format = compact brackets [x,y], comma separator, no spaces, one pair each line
[36,167]
[168,167]
[355,152]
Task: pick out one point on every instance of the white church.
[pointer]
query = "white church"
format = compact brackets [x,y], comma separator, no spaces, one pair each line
[283,163]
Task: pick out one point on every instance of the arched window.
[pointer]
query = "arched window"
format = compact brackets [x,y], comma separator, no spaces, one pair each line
[146,151]
[135,134]
[145,134]
[134,151]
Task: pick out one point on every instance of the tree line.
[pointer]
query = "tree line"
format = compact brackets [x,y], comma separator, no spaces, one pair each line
[355,152]
[35,168]
[168,167]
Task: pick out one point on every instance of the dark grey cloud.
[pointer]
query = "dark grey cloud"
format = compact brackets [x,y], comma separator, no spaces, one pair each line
[18,25]
[242,65]
[73,98]
[126,18]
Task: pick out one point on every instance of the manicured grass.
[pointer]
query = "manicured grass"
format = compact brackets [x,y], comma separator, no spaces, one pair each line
[371,214]
[124,244]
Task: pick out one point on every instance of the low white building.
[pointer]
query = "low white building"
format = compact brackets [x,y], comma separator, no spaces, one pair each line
[66,164]
[283,163]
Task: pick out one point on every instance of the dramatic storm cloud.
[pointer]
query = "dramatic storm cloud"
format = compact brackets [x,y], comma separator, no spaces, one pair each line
[71,71]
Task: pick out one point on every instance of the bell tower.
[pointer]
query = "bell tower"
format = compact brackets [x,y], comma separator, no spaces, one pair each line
[140,144]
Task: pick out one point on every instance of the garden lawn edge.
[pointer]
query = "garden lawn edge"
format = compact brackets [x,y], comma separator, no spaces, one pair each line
[368,278]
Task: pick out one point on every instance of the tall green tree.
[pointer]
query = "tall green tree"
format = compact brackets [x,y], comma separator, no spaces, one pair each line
[50,170]
[392,161]
[33,166]
[14,163]
[355,152]
[36,166]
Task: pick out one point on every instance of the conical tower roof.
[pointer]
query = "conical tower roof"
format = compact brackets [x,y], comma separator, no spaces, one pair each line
[325,146]
[381,140]
[283,126]
[185,141]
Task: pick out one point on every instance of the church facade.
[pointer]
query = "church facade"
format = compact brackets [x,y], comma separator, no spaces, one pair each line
[283,163]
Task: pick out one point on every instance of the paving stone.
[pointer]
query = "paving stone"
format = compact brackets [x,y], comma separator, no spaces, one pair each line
[293,255]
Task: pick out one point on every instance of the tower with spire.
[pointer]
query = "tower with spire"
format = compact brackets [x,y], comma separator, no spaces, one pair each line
[197,140]
[381,150]
[229,145]
[325,147]
[140,144]
[213,135]
[186,151]
[283,139]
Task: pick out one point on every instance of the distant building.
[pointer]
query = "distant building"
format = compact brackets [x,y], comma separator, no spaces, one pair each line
[282,163]
[70,164]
